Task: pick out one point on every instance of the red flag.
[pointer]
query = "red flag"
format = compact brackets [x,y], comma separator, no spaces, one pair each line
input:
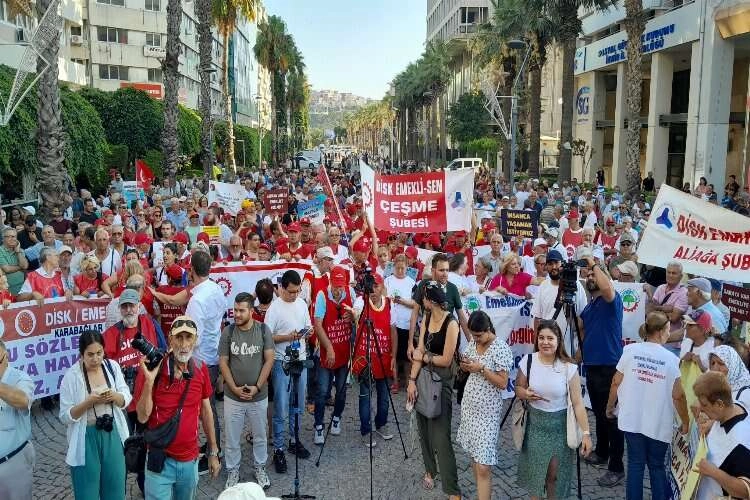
[143,174]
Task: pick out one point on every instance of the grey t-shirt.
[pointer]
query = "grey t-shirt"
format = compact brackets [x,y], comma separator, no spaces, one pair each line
[245,351]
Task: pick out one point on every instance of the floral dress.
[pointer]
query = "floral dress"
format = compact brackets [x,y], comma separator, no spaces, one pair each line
[482,404]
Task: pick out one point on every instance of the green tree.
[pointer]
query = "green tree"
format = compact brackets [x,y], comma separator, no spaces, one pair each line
[226,14]
[466,118]
[484,147]
[86,147]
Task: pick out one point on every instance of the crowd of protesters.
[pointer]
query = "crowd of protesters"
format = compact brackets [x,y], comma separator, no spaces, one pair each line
[151,260]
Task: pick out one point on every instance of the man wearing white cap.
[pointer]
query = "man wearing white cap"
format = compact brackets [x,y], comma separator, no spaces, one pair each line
[539,247]
[699,297]
[552,237]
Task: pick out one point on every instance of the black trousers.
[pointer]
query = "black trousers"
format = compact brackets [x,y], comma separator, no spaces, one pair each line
[610,441]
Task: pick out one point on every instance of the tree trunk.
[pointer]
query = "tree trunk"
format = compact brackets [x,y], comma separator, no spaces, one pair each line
[534,118]
[434,132]
[443,134]
[274,121]
[566,115]
[229,156]
[52,182]
[205,44]
[413,133]
[170,67]
[635,24]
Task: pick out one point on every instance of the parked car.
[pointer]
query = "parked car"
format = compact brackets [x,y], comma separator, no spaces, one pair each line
[464,163]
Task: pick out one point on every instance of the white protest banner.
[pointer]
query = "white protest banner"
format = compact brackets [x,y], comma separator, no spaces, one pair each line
[425,257]
[511,317]
[43,340]
[228,196]
[131,192]
[313,209]
[634,301]
[706,239]
[157,253]
[423,203]
[236,277]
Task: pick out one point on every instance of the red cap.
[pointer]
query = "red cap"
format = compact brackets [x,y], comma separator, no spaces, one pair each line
[411,252]
[361,246]
[305,221]
[488,227]
[264,246]
[378,278]
[174,272]
[573,214]
[294,227]
[181,238]
[610,220]
[214,204]
[194,214]
[460,234]
[142,239]
[107,212]
[434,240]
[226,217]
[339,277]
[328,203]
[100,222]
[203,237]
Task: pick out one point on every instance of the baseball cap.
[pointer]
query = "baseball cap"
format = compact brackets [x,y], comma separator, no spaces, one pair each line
[573,214]
[554,256]
[181,238]
[65,248]
[142,239]
[361,246]
[701,284]
[129,297]
[610,221]
[174,272]
[325,253]
[699,317]
[183,324]
[628,267]
[294,227]
[378,278]
[339,276]
[411,252]
[540,242]
[31,210]
[264,246]
[202,236]
[489,226]
[305,221]
[716,285]
[627,236]
[553,231]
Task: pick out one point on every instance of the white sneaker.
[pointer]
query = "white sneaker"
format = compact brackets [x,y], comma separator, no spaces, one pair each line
[384,432]
[261,477]
[336,426]
[366,441]
[233,477]
[319,438]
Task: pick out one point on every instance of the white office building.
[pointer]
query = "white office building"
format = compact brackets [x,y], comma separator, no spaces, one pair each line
[696,56]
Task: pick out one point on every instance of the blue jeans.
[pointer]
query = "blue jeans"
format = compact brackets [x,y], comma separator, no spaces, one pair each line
[642,451]
[282,403]
[178,481]
[213,372]
[381,414]
[326,378]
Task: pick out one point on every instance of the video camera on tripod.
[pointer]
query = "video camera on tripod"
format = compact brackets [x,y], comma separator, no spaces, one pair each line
[366,282]
[291,364]
[569,280]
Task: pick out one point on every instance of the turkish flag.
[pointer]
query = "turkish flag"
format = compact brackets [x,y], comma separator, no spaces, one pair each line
[143,174]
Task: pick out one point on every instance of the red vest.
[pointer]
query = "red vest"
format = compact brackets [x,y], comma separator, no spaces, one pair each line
[337,329]
[571,241]
[606,241]
[381,325]
[46,286]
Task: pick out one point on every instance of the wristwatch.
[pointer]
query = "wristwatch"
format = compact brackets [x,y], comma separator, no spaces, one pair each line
[212,453]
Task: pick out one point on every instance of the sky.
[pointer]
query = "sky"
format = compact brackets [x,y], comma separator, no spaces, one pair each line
[355,46]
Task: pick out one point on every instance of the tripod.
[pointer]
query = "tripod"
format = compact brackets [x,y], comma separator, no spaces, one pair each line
[571,318]
[296,372]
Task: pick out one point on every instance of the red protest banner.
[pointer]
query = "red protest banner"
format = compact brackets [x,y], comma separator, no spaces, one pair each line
[43,340]
[737,299]
[276,201]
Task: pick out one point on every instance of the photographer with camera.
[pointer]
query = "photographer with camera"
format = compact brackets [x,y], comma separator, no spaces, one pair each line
[93,394]
[173,393]
[289,320]
[549,297]
[601,350]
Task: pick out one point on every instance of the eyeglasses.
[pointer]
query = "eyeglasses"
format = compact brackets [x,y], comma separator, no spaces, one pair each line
[626,244]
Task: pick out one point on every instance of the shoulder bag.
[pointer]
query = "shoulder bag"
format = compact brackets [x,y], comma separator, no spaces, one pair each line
[519,412]
[429,384]
[574,433]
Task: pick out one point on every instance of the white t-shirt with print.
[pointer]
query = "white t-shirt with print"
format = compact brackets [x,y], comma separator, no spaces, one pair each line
[549,382]
[399,287]
[649,373]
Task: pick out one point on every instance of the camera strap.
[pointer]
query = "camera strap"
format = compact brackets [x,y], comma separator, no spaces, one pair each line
[105,368]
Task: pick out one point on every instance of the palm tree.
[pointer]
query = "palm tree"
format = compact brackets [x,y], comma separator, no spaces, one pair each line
[226,14]
[170,71]
[205,47]
[298,94]
[52,181]
[270,50]
[635,25]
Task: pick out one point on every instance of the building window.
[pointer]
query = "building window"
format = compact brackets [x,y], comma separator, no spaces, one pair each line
[153,39]
[112,35]
[76,31]
[120,3]
[112,72]
[153,5]
[154,75]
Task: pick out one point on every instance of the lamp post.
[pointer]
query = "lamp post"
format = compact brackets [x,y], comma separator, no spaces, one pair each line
[516,45]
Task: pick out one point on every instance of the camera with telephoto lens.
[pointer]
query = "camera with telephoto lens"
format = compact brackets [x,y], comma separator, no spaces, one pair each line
[153,354]
[366,282]
[104,423]
[291,364]
[569,280]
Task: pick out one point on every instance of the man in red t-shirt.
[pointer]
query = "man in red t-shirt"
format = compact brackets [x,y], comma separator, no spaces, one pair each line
[174,469]
[296,248]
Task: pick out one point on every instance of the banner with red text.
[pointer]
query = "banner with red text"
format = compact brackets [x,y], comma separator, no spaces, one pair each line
[425,202]
[706,239]
[43,340]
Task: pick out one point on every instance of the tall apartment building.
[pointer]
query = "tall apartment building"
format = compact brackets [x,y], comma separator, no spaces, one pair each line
[696,56]
[110,44]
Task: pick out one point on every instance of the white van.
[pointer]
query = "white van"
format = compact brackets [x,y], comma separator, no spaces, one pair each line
[465,163]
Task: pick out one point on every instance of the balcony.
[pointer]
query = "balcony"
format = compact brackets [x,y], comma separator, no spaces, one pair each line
[71,72]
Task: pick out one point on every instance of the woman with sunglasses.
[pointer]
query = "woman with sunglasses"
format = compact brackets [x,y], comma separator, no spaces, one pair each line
[544,380]
[157,217]
[438,342]
[647,371]
[488,360]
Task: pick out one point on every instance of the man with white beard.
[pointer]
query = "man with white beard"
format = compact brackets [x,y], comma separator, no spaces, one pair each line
[178,381]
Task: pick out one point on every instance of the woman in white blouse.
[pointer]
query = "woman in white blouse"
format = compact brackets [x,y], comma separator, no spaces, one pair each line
[92,395]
